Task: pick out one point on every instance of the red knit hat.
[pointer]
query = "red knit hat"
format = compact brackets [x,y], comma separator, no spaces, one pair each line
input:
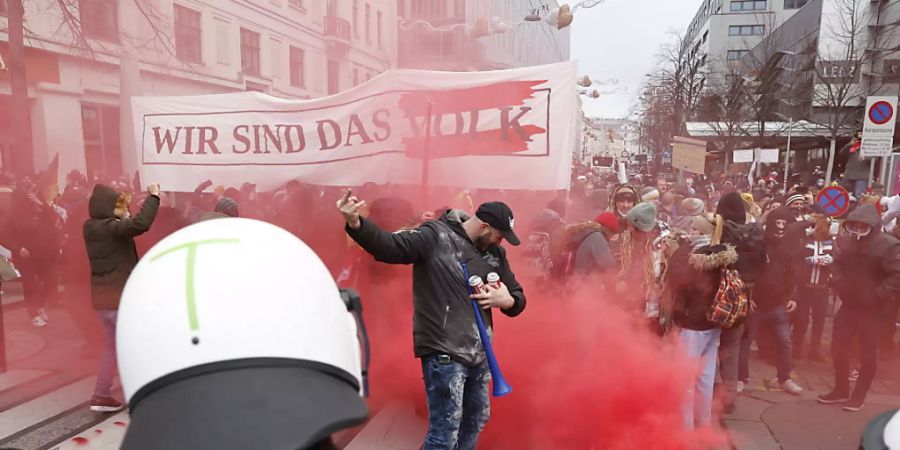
[609,221]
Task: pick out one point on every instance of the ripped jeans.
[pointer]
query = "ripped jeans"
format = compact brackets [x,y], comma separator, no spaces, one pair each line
[459,402]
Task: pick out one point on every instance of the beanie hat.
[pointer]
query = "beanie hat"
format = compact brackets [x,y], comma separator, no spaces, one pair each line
[704,224]
[227,206]
[609,221]
[649,194]
[795,198]
[642,216]
[692,206]
[731,207]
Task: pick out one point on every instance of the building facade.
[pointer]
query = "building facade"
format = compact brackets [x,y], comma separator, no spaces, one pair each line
[77,73]
[435,34]
[723,31]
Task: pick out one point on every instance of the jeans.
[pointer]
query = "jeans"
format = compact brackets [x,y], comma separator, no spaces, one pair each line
[107,318]
[778,320]
[458,402]
[701,346]
[864,324]
[729,352]
[812,300]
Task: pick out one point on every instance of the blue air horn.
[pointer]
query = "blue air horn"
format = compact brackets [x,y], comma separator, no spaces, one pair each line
[476,285]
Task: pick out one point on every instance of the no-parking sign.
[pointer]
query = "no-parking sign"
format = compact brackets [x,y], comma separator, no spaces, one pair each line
[834,200]
[878,131]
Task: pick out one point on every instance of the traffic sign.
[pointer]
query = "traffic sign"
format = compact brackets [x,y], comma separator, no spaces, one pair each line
[834,200]
[881,112]
[878,130]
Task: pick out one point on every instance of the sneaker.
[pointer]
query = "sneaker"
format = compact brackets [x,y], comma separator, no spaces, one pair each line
[791,387]
[833,397]
[104,404]
[854,405]
[42,313]
[740,387]
[39,322]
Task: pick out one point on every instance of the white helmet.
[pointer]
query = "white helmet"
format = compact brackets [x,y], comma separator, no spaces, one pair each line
[232,335]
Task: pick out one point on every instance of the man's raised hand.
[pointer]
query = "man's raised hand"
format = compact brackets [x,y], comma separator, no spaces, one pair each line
[349,207]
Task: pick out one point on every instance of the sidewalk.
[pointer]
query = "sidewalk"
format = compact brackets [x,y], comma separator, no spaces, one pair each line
[768,419]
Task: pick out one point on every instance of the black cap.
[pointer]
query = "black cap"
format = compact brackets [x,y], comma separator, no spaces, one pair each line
[499,216]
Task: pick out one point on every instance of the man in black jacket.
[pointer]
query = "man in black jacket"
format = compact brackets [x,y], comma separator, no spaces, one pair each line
[445,334]
[866,276]
[771,297]
[109,236]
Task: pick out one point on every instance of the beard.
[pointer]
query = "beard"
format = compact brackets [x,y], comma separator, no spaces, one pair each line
[483,242]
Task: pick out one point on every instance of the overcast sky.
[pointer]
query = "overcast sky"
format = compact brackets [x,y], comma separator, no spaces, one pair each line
[620,39]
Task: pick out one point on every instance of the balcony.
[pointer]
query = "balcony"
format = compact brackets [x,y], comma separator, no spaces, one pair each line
[337,34]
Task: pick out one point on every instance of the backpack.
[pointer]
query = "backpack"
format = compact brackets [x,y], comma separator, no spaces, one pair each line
[537,254]
[730,304]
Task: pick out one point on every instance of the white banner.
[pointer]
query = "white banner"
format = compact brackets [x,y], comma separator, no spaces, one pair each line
[509,129]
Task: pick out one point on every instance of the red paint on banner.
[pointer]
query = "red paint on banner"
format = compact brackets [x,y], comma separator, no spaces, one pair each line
[450,101]
[483,143]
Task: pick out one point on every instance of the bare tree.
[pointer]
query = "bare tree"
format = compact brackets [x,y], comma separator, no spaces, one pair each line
[672,92]
[839,95]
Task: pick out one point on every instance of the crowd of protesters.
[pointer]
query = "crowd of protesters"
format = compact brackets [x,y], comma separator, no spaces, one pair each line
[656,245]
[662,247]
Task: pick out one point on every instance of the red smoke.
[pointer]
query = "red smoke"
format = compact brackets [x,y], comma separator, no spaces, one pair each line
[585,373]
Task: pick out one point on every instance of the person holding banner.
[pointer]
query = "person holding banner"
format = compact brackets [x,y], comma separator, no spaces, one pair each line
[445,334]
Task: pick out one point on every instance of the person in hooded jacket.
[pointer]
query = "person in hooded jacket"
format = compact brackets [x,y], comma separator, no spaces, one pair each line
[693,277]
[109,237]
[589,242]
[771,297]
[445,334]
[866,277]
[811,256]
[747,239]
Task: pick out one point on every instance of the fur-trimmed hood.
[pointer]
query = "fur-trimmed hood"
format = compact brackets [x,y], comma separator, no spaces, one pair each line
[712,257]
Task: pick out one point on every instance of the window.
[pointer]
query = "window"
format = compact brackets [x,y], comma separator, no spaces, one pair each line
[748,5]
[368,23]
[187,34]
[3,7]
[249,52]
[378,30]
[99,19]
[297,3]
[355,77]
[100,129]
[746,30]
[794,4]
[734,55]
[401,9]
[356,18]
[334,73]
[297,67]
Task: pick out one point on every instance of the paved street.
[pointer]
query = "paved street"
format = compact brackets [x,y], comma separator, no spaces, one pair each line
[44,400]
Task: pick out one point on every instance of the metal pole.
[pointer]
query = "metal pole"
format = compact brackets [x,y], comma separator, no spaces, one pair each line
[787,155]
[871,170]
[425,159]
